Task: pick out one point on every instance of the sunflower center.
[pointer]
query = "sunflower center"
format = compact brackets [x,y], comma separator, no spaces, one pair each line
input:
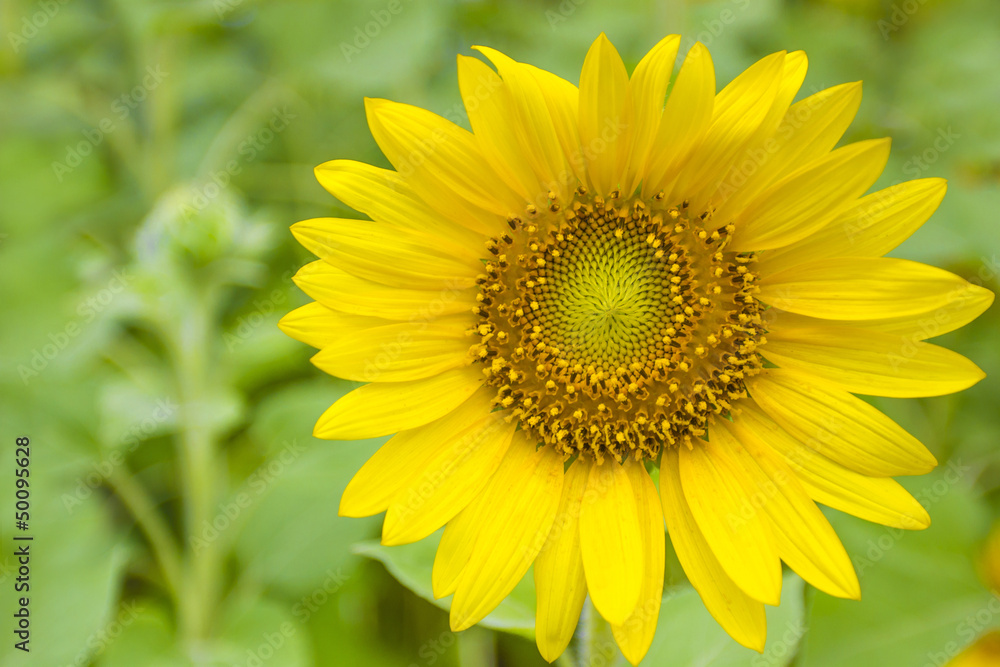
[613,327]
[603,294]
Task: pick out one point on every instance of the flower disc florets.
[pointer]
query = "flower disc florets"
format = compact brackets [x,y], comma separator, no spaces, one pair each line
[615,326]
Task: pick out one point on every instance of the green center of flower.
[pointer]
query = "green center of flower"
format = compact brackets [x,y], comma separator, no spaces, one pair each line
[615,327]
[604,295]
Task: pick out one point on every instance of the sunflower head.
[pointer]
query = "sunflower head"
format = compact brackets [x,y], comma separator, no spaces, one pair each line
[605,279]
[614,326]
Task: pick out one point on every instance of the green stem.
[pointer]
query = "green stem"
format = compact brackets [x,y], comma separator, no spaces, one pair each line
[596,642]
[198,462]
[566,659]
[199,473]
[477,648]
[133,495]
[245,120]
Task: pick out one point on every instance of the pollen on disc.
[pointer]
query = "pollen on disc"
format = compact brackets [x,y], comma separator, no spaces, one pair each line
[613,327]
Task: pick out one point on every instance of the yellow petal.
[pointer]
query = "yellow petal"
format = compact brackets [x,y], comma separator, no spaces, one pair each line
[965,305]
[611,542]
[560,584]
[383,195]
[648,92]
[870,227]
[519,507]
[604,115]
[397,352]
[536,133]
[719,494]
[636,634]
[814,125]
[390,255]
[455,549]
[878,499]
[806,200]
[381,408]
[807,132]
[491,115]
[756,152]
[316,325]
[402,458]
[839,425]
[562,101]
[793,73]
[849,288]
[871,363]
[983,652]
[337,289]
[441,161]
[685,120]
[738,112]
[451,481]
[805,539]
[738,614]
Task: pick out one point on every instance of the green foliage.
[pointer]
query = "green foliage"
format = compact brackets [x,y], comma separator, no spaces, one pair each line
[688,636]
[921,596]
[411,565]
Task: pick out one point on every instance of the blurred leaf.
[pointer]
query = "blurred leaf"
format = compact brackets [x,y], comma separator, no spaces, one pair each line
[411,565]
[261,631]
[688,636]
[290,412]
[294,538]
[920,594]
[131,414]
[945,38]
[964,219]
[347,627]
[147,639]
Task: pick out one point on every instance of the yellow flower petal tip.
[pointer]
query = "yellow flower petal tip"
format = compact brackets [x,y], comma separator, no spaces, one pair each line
[353,508]
[392,539]
[456,624]
[611,275]
[757,644]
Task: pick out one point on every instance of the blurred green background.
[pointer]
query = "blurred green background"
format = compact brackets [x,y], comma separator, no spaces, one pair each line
[152,157]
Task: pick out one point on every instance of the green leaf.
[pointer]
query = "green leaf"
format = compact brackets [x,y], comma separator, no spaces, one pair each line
[411,565]
[147,638]
[294,538]
[688,636]
[261,631]
[921,600]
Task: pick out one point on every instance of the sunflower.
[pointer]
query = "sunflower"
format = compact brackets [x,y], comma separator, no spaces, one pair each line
[607,309]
